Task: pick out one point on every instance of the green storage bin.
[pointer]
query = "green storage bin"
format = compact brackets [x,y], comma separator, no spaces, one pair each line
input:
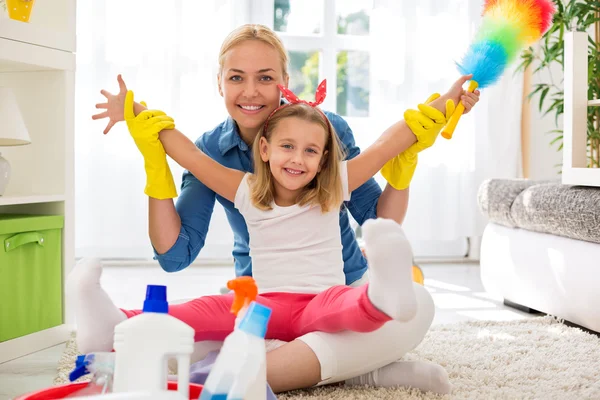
[30,274]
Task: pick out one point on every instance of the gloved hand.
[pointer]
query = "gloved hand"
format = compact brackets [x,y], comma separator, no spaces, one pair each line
[144,128]
[426,124]
[399,170]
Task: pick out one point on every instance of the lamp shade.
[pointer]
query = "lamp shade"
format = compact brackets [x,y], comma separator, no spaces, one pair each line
[13,131]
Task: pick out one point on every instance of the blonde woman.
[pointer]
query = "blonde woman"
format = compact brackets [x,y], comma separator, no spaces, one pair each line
[252,63]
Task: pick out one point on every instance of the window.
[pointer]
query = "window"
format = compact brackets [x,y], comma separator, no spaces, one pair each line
[326,39]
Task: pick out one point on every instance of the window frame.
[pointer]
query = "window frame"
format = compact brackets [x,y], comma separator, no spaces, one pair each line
[328,43]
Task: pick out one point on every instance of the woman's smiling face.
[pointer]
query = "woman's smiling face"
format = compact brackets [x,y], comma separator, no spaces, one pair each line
[248,83]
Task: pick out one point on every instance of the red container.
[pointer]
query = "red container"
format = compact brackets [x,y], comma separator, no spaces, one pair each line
[60,392]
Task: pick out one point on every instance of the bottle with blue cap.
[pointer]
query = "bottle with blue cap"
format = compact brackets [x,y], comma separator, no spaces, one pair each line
[240,369]
[144,343]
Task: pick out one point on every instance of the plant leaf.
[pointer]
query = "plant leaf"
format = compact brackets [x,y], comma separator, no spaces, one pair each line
[543,96]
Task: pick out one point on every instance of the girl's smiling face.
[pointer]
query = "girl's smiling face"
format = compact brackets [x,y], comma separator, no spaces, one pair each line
[295,153]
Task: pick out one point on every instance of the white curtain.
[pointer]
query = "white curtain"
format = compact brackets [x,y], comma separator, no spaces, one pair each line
[415,46]
[167,53]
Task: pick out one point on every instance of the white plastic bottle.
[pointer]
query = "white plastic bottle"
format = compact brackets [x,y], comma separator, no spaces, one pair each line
[144,343]
[240,369]
[251,381]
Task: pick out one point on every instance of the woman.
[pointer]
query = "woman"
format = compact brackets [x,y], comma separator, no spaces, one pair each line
[252,63]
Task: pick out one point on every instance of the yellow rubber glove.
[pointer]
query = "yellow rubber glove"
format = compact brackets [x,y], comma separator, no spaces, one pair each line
[144,128]
[426,124]
[399,170]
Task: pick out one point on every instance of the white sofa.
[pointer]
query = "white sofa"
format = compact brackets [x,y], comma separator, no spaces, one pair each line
[541,247]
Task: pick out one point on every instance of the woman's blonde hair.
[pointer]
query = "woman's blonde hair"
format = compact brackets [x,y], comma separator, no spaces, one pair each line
[325,189]
[254,32]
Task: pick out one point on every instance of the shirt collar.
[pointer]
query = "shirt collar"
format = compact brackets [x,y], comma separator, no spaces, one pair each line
[230,137]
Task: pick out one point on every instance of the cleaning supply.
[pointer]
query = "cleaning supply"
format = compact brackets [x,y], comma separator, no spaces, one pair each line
[244,292]
[200,370]
[239,371]
[251,381]
[64,391]
[144,343]
[101,366]
[507,27]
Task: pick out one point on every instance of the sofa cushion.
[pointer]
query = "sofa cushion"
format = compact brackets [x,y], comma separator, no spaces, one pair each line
[496,197]
[547,207]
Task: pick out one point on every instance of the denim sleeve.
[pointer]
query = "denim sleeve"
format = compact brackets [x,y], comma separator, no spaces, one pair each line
[194,206]
[363,201]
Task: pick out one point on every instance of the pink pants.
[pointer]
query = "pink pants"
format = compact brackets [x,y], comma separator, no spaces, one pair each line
[293,314]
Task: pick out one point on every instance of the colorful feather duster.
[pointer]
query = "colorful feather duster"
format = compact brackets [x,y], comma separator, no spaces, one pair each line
[508,27]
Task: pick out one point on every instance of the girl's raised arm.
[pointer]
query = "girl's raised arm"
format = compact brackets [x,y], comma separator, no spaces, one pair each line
[394,140]
[149,133]
[423,125]
[222,180]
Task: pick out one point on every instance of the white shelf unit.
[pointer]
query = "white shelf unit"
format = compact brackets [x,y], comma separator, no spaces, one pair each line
[37,61]
[52,25]
[575,171]
[15,199]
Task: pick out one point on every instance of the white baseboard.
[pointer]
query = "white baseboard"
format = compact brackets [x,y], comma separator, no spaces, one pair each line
[132,262]
[34,342]
[211,253]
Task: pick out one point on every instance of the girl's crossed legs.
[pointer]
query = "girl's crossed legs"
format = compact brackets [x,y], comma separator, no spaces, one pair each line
[320,358]
[357,358]
[293,314]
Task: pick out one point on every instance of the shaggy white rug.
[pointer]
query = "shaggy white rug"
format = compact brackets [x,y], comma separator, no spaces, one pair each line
[537,358]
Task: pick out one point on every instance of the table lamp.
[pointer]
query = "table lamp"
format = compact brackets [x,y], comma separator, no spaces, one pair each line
[12,131]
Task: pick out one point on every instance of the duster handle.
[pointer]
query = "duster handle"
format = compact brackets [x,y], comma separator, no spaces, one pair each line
[451,125]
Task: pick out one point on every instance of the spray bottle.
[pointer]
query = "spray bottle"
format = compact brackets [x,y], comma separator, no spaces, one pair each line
[101,365]
[239,371]
[244,292]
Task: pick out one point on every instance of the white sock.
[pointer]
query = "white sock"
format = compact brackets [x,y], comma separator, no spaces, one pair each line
[390,269]
[95,313]
[423,375]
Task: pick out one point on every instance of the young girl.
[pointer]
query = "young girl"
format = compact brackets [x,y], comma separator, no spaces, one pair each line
[291,206]
[252,62]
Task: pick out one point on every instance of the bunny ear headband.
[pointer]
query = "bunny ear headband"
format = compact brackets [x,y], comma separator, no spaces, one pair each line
[293,99]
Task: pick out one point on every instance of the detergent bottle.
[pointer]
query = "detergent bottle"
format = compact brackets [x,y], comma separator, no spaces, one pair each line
[239,371]
[144,343]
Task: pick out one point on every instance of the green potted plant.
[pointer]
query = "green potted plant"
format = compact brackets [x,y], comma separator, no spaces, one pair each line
[571,15]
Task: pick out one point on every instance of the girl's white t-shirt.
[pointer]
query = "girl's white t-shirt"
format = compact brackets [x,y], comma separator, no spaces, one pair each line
[294,249]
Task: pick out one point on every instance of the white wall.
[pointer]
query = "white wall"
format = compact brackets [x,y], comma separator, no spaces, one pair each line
[544,159]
